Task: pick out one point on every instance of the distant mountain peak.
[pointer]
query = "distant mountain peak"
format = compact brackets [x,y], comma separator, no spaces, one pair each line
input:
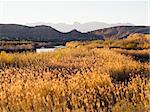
[76,23]
[82,27]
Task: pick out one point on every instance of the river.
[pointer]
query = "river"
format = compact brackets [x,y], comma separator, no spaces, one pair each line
[43,49]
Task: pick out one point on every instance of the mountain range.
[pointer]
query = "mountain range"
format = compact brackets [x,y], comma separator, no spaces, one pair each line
[82,27]
[49,34]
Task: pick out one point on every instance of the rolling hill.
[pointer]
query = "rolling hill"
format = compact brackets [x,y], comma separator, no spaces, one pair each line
[119,32]
[82,27]
[41,33]
[49,34]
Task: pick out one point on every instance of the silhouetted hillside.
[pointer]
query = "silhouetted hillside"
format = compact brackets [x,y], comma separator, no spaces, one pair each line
[41,33]
[47,33]
[121,31]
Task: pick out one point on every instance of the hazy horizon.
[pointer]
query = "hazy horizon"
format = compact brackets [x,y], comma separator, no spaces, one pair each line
[68,12]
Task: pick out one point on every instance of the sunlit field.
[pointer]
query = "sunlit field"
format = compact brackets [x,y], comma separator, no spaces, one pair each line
[74,80]
[132,42]
[74,56]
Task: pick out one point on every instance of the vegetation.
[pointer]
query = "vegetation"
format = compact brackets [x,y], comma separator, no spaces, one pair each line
[140,55]
[73,79]
[84,77]
[133,41]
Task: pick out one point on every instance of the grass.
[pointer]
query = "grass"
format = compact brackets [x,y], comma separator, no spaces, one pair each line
[141,55]
[133,42]
[73,79]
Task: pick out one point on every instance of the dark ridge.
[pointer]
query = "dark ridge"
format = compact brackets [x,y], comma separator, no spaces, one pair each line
[48,34]
[119,32]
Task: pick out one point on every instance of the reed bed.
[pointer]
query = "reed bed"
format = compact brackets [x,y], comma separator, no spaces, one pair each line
[73,80]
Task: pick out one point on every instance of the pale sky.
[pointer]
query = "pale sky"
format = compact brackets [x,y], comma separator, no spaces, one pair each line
[109,11]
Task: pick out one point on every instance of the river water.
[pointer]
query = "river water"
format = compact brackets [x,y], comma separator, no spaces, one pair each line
[43,49]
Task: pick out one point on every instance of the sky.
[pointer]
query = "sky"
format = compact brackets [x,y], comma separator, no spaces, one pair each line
[109,11]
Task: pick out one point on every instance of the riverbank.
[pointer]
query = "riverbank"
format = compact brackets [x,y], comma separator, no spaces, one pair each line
[24,46]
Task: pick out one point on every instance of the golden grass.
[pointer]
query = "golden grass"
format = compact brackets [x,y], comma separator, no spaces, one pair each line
[73,79]
[133,41]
